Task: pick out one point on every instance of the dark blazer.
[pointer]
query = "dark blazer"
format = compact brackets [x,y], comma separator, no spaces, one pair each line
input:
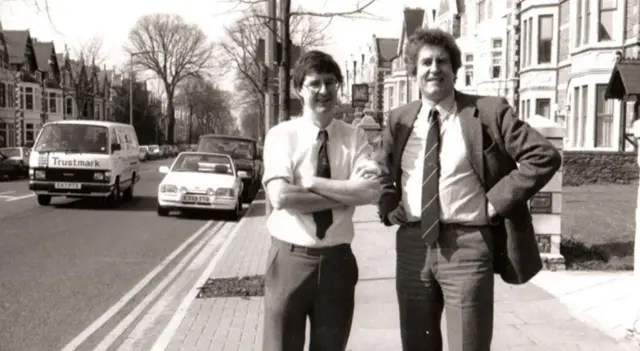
[496,139]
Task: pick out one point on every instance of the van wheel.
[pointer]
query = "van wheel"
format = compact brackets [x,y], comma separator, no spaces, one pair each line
[162,211]
[128,193]
[114,198]
[44,200]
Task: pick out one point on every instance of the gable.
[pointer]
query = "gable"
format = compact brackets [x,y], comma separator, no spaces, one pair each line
[443,7]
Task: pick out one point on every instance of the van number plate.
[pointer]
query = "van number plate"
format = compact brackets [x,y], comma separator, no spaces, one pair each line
[196,199]
[68,185]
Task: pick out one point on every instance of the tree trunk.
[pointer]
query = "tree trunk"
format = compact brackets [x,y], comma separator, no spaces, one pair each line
[172,118]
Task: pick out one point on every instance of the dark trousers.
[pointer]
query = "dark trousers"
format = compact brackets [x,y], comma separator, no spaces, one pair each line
[302,283]
[455,274]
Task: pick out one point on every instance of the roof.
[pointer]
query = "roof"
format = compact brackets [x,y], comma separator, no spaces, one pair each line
[625,80]
[91,123]
[16,44]
[222,136]
[205,153]
[43,52]
[412,20]
[387,48]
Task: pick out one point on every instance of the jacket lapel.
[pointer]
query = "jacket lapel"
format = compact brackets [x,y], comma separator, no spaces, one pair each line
[472,133]
[403,128]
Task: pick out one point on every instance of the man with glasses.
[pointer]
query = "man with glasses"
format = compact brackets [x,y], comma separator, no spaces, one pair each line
[316,171]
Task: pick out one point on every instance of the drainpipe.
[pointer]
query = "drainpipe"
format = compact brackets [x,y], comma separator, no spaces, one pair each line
[517,38]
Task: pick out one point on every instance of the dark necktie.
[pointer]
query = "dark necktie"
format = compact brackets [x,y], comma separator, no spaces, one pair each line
[430,221]
[324,218]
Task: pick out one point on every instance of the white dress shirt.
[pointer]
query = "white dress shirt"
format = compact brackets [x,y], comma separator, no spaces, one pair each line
[461,194]
[290,153]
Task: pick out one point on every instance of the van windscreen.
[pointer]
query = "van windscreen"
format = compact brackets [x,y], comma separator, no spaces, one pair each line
[73,138]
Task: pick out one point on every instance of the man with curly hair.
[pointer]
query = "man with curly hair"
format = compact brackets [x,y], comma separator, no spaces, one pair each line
[458,170]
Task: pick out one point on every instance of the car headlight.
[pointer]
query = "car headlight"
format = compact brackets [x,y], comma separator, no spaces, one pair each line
[211,192]
[102,176]
[183,189]
[37,173]
[225,192]
[168,188]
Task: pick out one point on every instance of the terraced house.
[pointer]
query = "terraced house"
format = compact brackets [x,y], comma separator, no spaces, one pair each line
[38,85]
[399,87]
[552,58]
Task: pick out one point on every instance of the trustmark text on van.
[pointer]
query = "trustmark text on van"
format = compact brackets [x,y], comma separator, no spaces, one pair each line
[58,162]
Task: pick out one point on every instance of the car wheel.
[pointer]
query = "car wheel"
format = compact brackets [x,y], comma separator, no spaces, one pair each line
[128,193]
[236,213]
[162,211]
[113,200]
[44,200]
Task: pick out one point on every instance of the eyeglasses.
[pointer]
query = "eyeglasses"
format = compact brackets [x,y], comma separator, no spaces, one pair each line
[316,85]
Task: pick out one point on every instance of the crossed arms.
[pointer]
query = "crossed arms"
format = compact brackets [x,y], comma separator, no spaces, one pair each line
[315,193]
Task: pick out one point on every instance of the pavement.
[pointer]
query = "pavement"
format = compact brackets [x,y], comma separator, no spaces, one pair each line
[75,277]
[71,271]
[556,311]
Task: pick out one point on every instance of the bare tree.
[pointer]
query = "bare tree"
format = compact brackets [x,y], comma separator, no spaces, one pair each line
[173,50]
[208,108]
[92,51]
[240,56]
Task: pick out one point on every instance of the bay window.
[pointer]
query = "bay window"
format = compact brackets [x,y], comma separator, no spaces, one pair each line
[545,38]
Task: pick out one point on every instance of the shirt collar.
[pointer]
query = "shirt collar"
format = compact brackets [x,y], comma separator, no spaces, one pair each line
[310,130]
[446,107]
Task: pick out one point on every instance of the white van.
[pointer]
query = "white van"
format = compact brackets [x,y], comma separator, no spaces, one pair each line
[78,158]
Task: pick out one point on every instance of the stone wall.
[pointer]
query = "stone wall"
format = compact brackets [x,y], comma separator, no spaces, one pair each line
[593,167]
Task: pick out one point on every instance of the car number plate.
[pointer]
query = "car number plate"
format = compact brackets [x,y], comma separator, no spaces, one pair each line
[68,185]
[196,199]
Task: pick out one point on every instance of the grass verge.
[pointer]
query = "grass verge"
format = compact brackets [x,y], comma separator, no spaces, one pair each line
[598,226]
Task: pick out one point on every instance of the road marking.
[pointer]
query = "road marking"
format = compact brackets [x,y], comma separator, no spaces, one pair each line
[98,323]
[6,192]
[204,252]
[169,331]
[22,197]
[126,322]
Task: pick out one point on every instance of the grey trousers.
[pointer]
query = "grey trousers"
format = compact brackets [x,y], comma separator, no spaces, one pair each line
[302,283]
[455,274]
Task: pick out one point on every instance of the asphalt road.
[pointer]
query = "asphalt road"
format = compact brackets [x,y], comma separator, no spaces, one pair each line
[63,266]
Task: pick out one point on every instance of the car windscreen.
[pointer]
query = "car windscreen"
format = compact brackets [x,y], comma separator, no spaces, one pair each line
[73,138]
[235,148]
[202,163]
[10,151]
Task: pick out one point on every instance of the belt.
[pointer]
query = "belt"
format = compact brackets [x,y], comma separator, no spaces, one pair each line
[447,226]
[311,251]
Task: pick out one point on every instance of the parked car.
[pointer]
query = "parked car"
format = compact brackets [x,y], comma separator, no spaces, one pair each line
[20,156]
[245,155]
[154,152]
[201,180]
[143,153]
[10,168]
[166,151]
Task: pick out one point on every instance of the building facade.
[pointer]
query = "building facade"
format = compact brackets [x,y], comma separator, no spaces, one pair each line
[399,86]
[7,96]
[38,85]
[552,58]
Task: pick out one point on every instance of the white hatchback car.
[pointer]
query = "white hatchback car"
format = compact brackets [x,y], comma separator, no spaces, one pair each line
[201,180]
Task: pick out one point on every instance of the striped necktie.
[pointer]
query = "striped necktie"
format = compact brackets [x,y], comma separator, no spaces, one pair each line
[323,219]
[430,220]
